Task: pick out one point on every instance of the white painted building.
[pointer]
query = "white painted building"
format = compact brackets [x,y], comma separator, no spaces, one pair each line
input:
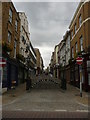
[67,47]
[62,53]
[24,34]
[56,52]
[67,50]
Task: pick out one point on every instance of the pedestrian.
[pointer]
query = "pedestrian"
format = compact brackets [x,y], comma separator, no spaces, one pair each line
[28,83]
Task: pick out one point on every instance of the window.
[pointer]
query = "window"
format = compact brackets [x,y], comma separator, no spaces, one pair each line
[10,15]
[9,36]
[72,53]
[81,43]
[22,38]
[76,47]
[80,20]
[71,33]
[21,50]
[15,45]
[16,25]
[75,28]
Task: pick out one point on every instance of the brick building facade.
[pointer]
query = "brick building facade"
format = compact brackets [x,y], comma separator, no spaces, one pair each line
[39,62]
[80,44]
[10,42]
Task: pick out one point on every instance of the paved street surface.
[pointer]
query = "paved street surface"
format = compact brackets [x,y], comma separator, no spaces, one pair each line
[45,96]
[49,114]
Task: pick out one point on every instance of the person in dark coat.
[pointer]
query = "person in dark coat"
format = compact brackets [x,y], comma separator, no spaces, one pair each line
[28,83]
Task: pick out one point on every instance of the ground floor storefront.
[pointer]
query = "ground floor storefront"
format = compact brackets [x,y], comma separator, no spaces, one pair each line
[71,73]
[85,71]
[10,73]
[14,73]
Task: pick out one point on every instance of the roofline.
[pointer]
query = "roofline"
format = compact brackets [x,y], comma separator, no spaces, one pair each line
[75,13]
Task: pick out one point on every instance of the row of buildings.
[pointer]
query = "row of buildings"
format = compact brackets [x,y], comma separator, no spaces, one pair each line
[22,59]
[76,42]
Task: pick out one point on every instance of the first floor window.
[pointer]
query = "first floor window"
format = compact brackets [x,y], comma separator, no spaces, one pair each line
[72,33]
[81,43]
[72,53]
[76,47]
[9,36]
[21,50]
[75,28]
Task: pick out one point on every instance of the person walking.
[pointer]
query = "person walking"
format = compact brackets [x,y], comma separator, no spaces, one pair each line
[28,83]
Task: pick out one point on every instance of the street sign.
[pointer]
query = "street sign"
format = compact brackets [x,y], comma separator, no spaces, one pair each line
[2,62]
[79,60]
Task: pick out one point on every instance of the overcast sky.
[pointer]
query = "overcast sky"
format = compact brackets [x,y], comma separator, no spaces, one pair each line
[48,22]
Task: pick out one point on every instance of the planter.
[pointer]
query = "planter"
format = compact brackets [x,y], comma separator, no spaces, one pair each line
[20,57]
[6,47]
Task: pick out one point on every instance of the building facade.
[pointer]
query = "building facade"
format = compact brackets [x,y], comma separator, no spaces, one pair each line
[10,42]
[52,64]
[23,51]
[39,62]
[67,55]
[56,61]
[17,49]
[80,44]
[33,59]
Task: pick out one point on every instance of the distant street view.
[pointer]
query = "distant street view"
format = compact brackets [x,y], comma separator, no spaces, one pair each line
[43,75]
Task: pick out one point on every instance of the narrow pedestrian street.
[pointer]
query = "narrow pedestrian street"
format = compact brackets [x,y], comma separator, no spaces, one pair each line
[46,95]
[45,59]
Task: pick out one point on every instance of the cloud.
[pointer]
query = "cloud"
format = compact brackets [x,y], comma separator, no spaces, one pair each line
[48,22]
